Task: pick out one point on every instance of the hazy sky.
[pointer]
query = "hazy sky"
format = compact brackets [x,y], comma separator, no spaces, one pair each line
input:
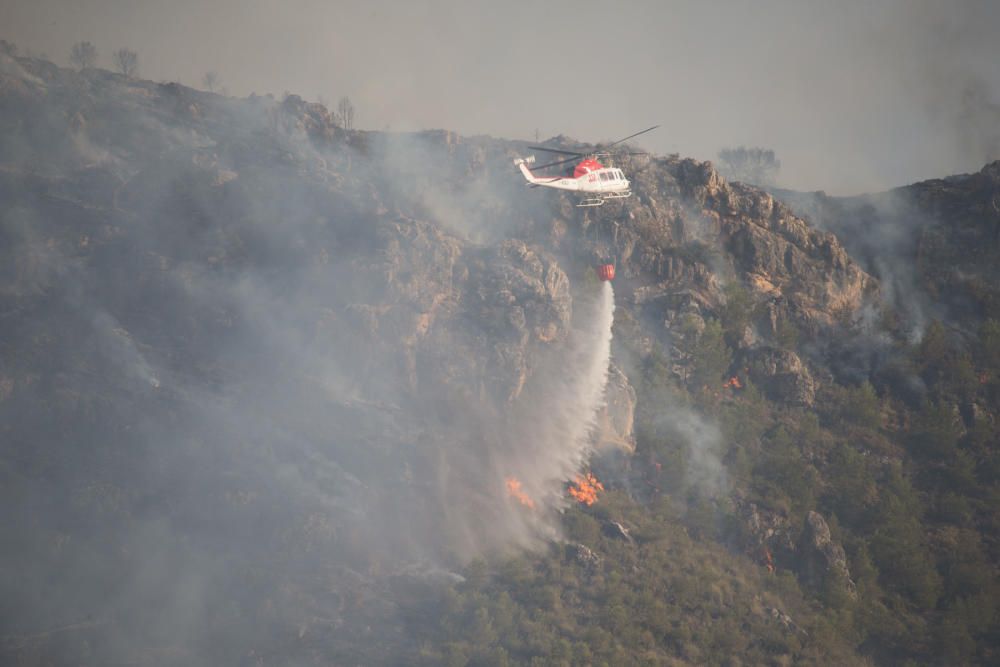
[852,96]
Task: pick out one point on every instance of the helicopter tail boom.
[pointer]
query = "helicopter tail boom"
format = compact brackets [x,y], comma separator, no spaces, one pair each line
[549,181]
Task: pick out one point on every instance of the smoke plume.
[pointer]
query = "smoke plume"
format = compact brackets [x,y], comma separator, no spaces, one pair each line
[253,354]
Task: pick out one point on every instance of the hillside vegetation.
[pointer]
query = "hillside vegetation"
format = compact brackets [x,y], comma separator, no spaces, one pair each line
[262,379]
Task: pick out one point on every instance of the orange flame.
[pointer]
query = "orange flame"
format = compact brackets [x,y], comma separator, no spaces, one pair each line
[515,491]
[733,383]
[585,489]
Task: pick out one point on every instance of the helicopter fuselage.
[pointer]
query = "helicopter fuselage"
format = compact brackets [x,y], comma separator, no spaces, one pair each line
[589,177]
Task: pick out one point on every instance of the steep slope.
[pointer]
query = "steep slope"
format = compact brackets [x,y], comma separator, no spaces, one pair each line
[933,244]
[224,345]
[265,383]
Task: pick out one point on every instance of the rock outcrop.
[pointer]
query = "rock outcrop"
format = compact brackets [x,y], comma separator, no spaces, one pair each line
[934,244]
[615,420]
[768,533]
[821,561]
[616,530]
[583,555]
[782,374]
[688,230]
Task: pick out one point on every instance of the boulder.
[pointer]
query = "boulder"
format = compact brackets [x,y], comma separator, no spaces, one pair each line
[582,555]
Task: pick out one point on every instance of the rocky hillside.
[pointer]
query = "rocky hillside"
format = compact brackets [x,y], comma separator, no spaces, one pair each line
[276,392]
[933,244]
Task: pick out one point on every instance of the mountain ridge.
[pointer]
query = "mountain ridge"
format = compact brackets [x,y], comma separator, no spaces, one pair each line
[272,374]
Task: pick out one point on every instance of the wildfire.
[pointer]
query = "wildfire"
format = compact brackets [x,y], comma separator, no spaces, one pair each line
[584,489]
[515,491]
[732,383]
[768,559]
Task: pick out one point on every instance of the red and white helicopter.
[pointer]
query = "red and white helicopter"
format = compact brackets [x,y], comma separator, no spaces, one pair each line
[596,182]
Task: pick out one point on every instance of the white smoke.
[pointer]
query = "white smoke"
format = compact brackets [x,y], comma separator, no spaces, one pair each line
[705,470]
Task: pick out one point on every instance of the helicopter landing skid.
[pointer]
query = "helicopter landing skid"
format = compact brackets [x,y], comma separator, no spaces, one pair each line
[618,195]
[600,199]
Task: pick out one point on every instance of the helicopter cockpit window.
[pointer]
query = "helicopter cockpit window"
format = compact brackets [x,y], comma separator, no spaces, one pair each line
[604,175]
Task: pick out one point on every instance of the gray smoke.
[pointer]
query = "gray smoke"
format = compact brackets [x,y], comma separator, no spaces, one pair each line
[240,360]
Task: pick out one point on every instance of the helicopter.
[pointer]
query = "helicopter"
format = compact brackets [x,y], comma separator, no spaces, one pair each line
[596,183]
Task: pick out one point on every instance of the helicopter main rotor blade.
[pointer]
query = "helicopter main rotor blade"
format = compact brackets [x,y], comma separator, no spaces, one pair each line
[556,150]
[648,129]
[608,154]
